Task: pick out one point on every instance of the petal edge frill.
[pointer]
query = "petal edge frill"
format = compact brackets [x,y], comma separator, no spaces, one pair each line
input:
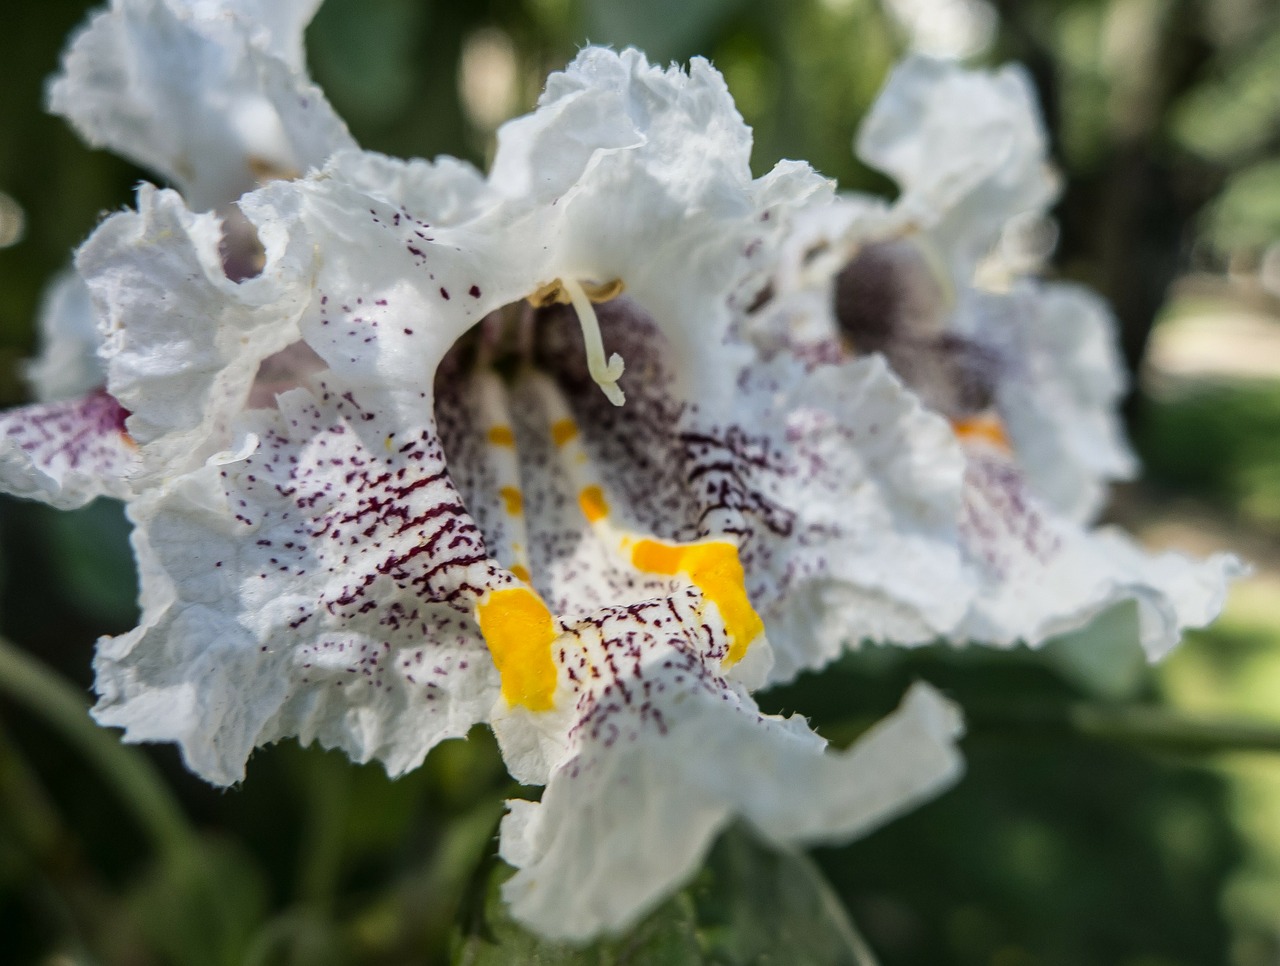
[598,852]
[321,585]
[67,453]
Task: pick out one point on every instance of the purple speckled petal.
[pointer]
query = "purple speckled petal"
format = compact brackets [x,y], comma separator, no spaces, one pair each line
[661,752]
[321,586]
[182,341]
[67,453]
[1040,574]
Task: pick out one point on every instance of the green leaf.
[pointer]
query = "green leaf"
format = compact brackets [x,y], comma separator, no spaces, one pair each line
[757,905]
[92,548]
[493,938]
[751,905]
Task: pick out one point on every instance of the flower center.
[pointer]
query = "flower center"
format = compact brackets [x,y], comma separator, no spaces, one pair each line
[547,510]
[893,299]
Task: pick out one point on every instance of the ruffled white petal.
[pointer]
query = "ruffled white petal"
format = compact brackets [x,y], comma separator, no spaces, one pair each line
[195,98]
[401,270]
[1040,575]
[66,453]
[874,482]
[182,341]
[67,365]
[320,585]
[682,124]
[967,147]
[443,191]
[277,24]
[630,817]
[1059,401]
[1030,380]
[631,172]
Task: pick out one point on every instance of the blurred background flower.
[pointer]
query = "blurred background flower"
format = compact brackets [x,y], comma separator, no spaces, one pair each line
[1095,825]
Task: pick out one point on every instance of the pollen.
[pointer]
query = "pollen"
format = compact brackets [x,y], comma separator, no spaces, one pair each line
[513,500]
[983,429]
[520,632]
[594,506]
[714,568]
[501,436]
[563,430]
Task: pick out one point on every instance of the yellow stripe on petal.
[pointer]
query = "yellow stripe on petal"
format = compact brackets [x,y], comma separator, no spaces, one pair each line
[502,436]
[714,568]
[520,632]
[984,429]
[513,499]
[594,506]
[563,430]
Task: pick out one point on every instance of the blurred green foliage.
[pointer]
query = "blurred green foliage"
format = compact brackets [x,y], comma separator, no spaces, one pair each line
[1222,442]
[1058,849]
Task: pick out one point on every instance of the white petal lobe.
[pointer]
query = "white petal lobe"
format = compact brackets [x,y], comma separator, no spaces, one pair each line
[67,453]
[321,586]
[197,99]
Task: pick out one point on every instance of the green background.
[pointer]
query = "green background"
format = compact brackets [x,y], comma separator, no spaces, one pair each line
[1108,814]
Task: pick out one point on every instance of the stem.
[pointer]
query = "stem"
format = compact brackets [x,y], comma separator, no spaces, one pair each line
[1166,729]
[135,780]
[329,785]
[1143,726]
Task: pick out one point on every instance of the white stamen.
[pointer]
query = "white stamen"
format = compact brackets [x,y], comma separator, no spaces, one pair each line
[604,373]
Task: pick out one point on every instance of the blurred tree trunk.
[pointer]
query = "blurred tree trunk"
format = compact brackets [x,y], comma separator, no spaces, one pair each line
[1128,221]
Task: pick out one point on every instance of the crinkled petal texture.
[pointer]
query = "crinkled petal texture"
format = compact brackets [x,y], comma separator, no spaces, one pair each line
[320,586]
[968,149]
[1029,379]
[874,482]
[684,121]
[628,171]
[663,752]
[195,93]
[840,491]
[1041,574]
[277,24]
[427,514]
[1059,398]
[183,342]
[67,453]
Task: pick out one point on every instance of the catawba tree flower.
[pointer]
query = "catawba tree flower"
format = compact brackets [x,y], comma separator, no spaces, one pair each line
[464,449]
[212,96]
[1028,377]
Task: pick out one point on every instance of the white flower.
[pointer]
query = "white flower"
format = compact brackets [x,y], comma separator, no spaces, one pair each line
[519,468]
[211,95]
[1028,379]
